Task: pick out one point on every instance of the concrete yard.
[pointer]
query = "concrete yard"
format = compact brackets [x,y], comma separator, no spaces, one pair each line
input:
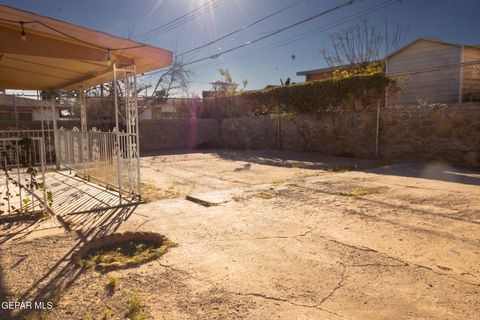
[276,235]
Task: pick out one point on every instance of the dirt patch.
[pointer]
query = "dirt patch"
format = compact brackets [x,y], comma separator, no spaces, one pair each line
[151,193]
[123,253]
[362,191]
[148,291]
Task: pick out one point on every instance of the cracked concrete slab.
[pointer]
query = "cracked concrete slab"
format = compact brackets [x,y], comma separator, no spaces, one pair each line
[296,242]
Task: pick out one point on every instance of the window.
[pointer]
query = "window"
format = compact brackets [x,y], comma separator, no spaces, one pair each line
[6,115]
[25,115]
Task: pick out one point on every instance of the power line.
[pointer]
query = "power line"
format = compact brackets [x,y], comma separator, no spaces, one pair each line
[242,28]
[350,2]
[175,23]
[312,32]
[305,35]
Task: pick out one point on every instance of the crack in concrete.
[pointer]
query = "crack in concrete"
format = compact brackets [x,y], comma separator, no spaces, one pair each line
[266,297]
[145,222]
[365,249]
[361,248]
[378,265]
[404,263]
[339,285]
[262,295]
[303,234]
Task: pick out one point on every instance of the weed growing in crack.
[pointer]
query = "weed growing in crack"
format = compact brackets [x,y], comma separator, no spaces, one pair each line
[106,314]
[264,195]
[134,309]
[363,191]
[111,284]
[236,198]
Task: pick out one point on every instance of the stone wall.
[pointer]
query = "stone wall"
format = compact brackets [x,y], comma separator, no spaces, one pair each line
[249,132]
[450,133]
[432,133]
[157,135]
[344,134]
[332,133]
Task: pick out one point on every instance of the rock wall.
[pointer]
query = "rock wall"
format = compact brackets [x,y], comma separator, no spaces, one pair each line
[157,135]
[450,133]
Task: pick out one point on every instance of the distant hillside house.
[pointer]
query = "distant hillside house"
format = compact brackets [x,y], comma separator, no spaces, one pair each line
[325,73]
[431,71]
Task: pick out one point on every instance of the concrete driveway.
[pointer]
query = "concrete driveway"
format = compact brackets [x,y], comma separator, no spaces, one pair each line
[274,235]
[299,240]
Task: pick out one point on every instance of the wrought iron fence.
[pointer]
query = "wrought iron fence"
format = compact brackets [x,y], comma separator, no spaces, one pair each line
[107,158]
[445,84]
[47,135]
[22,185]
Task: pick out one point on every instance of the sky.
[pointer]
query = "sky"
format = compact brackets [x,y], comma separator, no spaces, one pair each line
[264,62]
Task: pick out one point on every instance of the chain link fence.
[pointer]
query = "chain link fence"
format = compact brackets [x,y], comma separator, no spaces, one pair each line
[445,84]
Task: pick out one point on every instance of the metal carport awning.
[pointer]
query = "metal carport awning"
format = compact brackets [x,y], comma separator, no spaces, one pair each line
[41,53]
[60,55]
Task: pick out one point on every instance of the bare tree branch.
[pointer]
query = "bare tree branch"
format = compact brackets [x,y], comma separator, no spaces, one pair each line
[362,43]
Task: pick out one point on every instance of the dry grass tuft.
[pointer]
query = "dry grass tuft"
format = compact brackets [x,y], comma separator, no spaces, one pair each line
[264,195]
[123,255]
[363,191]
[151,193]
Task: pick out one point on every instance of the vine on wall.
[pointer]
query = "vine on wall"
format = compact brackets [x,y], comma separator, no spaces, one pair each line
[345,91]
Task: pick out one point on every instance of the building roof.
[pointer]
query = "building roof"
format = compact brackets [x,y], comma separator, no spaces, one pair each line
[11,101]
[329,69]
[60,55]
[432,40]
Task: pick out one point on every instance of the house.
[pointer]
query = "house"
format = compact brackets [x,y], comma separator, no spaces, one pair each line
[317,74]
[325,73]
[219,88]
[434,71]
[14,108]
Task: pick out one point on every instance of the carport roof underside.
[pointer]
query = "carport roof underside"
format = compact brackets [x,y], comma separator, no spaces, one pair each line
[60,55]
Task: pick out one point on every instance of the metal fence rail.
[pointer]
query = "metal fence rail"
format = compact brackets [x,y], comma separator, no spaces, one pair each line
[47,135]
[445,84]
[97,156]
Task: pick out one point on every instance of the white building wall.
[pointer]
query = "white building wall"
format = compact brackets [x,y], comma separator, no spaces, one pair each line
[423,54]
[471,74]
[423,74]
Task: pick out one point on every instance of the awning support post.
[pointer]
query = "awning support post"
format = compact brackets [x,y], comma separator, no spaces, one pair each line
[55,134]
[117,133]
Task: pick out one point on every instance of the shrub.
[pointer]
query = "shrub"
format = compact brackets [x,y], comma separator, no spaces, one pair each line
[343,92]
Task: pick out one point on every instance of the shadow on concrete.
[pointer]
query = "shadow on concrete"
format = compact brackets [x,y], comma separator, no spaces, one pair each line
[432,171]
[63,272]
[70,195]
[317,161]
[283,158]
[87,211]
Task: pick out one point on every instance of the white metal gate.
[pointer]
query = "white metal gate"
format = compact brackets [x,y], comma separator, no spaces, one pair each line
[95,155]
